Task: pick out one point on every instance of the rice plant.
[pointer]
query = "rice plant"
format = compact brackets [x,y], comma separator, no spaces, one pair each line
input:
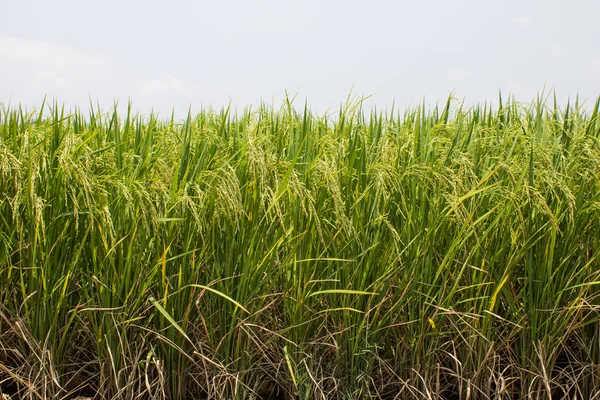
[275,253]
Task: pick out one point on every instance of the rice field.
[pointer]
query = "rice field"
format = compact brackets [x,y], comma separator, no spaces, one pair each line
[449,252]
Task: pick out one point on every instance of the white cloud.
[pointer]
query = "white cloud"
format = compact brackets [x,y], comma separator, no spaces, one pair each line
[167,84]
[46,66]
[51,55]
[458,74]
[521,19]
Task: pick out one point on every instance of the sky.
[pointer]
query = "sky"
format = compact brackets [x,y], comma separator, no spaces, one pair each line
[170,56]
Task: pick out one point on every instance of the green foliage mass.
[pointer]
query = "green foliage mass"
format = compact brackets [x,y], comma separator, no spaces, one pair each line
[431,253]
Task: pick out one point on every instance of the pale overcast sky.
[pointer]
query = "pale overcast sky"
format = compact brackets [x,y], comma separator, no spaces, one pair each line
[173,54]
